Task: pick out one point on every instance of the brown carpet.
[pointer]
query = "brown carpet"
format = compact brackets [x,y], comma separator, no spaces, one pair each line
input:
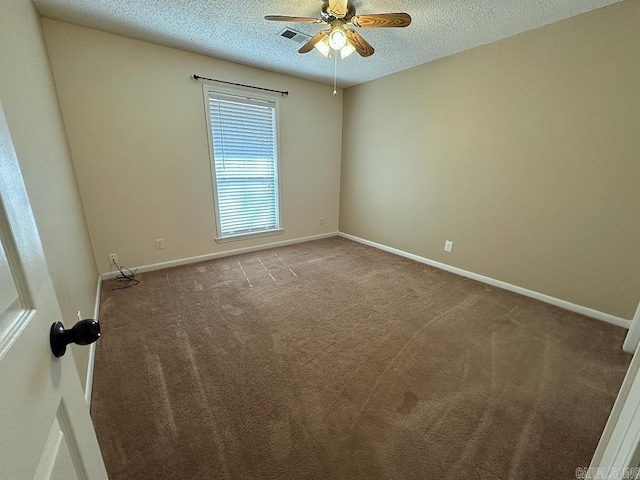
[331,359]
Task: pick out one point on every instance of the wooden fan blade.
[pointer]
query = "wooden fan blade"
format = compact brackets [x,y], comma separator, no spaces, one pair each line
[338,7]
[382,20]
[359,43]
[307,47]
[282,18]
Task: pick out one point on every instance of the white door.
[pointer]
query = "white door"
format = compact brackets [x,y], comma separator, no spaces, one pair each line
[45,428]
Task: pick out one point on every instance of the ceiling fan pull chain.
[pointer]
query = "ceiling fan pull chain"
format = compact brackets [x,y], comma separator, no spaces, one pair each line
[335,73]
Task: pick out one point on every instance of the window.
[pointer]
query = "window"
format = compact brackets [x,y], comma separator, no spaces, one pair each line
[245,165]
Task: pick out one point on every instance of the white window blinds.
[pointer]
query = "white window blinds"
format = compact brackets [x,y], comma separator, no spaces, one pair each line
[243,135]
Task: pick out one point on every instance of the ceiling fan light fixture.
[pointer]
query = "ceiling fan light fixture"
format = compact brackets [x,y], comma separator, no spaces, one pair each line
[323,46]
[337,38]
[347,50]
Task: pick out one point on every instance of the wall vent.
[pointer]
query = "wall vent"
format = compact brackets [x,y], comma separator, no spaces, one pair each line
[294,35]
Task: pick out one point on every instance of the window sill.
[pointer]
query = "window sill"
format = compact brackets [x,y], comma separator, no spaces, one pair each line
[247,236]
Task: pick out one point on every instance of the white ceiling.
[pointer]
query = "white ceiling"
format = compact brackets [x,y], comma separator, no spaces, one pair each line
[236,30]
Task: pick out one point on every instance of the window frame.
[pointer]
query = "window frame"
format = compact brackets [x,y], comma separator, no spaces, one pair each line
[227,92]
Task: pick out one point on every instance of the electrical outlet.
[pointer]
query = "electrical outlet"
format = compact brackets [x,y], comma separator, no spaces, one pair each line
[79,315]
[113,259]
[448,246]
[321,221]
[159,244]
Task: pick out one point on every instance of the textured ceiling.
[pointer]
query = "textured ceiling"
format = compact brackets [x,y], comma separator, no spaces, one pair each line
[236,30]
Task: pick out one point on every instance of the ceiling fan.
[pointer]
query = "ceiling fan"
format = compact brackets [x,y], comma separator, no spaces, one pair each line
[339,14]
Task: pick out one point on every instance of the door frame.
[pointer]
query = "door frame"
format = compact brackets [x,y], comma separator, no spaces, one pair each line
[617,455]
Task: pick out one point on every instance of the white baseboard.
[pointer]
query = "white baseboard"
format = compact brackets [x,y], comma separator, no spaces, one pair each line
[588,312]
[92,347]
[213,256]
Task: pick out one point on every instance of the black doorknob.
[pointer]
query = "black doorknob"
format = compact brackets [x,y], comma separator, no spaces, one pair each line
[84,332]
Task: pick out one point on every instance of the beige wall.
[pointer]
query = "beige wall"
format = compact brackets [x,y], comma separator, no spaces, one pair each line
[28,97]
[136,127]
[524,152]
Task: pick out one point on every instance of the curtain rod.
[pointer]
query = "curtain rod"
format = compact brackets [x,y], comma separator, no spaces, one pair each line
[281,92]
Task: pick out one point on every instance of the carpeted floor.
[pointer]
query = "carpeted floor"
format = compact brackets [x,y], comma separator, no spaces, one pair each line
[331,359]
